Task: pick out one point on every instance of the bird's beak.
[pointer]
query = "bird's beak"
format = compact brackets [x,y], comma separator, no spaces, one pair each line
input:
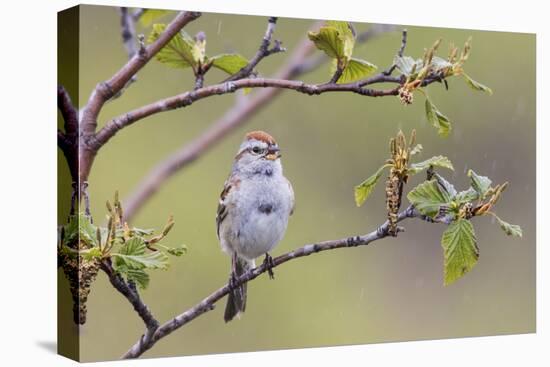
[273,153]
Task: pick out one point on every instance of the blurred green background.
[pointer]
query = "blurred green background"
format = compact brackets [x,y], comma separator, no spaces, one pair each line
[389,291]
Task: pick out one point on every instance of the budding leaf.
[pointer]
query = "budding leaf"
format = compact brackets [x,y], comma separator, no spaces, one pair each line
[437,161]
[364,189]
[446,186]
[92,253]
[407,65]
[417,149]
[142,232]
[428,198]
[177,251]
[150,15]
[466,196]
[460,250]
[476,85]
[180,52]
[230,63]
[438,64]
[481,184]
[356,69]
[437,119]
[86,230]
[510,229]
[71,229]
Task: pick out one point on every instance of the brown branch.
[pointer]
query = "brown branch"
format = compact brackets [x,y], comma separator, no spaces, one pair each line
[300,62]
[208,303]
[68,111]
[68,140]
[262,52]
[187,98]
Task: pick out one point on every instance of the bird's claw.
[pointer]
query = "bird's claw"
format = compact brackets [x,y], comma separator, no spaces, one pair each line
[269,264]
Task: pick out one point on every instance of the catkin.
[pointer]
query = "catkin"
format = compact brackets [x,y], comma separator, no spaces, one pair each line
[80,273]
[394,190]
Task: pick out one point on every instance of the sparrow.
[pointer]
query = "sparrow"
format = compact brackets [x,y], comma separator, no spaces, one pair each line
[253,211]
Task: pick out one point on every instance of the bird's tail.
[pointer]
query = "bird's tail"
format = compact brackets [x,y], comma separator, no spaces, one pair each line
[236,300]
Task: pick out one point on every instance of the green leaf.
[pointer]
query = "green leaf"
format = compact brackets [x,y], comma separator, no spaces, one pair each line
[134,246]
[364,189]
[476,85]
[466,196]
[329,40]
[437,161]
[437,119]
[356,69]
[481,184]
[407,65]
[133,256]
[346,33]
[92,253]
[230,63]
[150,15]
[87,231]
[510,229]
[177,251]
[180,52]
[138,276]
[460,249]
[427,198]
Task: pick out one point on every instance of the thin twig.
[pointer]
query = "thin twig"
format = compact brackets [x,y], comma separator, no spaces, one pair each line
[208,303]
[262,52]
[337,74]
[399,53]
[128,32]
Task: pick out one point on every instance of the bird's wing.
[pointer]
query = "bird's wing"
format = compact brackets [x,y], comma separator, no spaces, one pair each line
[230,186]
[292,201]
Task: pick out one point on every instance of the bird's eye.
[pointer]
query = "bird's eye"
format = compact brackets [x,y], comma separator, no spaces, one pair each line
[257,150]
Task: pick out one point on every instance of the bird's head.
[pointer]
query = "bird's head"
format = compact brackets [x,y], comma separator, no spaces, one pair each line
[259,153]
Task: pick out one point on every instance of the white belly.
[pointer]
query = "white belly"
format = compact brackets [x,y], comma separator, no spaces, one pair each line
[260,234]
[257,222]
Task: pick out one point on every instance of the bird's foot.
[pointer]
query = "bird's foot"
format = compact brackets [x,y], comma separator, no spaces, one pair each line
[269,264]
[233,278]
